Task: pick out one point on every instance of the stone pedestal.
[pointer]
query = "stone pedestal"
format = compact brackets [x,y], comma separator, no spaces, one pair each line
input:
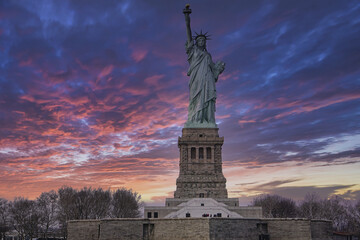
[200,164]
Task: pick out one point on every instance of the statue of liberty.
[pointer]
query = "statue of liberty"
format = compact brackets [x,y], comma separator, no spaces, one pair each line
[203,74]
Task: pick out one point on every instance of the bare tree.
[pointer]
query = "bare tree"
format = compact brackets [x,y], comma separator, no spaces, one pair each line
[25,217]
[353,217]
[310,207]
[4,219]
[126,203]
[52,210]
[334,209]
[275,206]
[101,203]
[344,214]
[267,202]
[47,205]
[355,223]
[67,209]
[84,203]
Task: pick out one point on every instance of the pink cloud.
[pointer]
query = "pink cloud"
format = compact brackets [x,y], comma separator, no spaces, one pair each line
[137,90]
[242,122]
[122,147]
[223,116]
[106,71]
[301,107]
[232,75]
[154,80]
[26,62]
[138,54]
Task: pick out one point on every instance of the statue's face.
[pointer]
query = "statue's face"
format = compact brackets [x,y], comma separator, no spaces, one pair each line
[201,42]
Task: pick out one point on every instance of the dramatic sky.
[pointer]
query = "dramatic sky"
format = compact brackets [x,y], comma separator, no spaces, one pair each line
[95,93]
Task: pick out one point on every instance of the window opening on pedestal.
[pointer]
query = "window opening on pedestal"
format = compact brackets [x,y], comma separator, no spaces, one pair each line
[201,153]
[208,153]
[149,214]
[193,153]
[187,215]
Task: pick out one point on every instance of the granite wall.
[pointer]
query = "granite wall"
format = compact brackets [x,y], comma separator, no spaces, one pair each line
[247,212]
[285,229]
[200,228]
[240,229]
[321,230]
[129,229]
[84,229]
[188,228]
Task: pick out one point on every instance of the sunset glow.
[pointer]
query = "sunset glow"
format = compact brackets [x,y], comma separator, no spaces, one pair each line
[96,94]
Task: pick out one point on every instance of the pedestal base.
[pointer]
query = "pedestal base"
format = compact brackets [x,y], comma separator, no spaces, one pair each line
[200,164]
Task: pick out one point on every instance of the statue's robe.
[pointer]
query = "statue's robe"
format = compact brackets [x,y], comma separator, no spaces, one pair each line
[202,86]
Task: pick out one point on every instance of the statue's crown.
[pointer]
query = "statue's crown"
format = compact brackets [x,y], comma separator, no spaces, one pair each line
[204,35]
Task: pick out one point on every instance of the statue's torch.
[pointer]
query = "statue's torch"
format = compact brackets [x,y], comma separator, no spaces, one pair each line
[187,12]
[187,9]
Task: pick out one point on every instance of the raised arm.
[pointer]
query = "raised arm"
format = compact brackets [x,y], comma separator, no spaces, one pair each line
[187,12]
